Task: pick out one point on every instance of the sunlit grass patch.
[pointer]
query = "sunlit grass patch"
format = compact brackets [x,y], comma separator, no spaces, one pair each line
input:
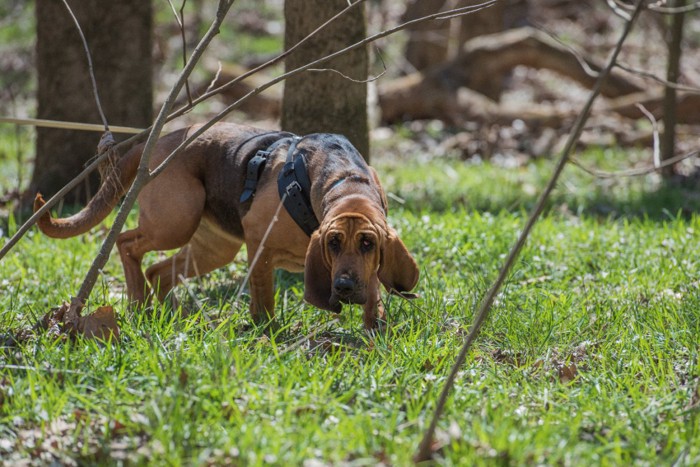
[590,355]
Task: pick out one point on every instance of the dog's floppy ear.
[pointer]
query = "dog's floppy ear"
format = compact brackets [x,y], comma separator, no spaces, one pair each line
[398,270]
[380,189]
[317,276]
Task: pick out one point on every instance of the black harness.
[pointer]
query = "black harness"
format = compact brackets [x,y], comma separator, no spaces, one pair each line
[293,183]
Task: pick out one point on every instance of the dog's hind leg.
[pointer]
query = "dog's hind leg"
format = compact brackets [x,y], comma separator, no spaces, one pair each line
[205,252]
[132,245]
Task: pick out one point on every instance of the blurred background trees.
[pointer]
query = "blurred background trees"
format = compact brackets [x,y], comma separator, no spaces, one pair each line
[503,82]
[119,35]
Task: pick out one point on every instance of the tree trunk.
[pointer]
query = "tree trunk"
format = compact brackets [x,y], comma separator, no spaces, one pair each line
[668,140]
[325,101]
[119,37]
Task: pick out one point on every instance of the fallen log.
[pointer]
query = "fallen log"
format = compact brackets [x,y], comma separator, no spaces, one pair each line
[263,106]
[432,93]
[454,91]
[687,106]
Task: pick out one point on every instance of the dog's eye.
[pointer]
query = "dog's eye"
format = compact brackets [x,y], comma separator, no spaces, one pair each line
[366,244]
[334,244]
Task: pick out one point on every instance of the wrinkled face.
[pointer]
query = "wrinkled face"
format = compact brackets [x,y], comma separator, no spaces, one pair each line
[351,250]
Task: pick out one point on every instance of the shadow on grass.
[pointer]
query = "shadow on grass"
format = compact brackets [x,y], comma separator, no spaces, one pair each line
[677,197]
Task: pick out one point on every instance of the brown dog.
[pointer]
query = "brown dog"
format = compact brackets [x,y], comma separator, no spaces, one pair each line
[196,204]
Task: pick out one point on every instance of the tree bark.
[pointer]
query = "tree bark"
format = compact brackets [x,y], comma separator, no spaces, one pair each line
[668,139]
[119,37]
[326,101]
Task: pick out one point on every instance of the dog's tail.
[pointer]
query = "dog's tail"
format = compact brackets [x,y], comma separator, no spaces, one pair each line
[116,179]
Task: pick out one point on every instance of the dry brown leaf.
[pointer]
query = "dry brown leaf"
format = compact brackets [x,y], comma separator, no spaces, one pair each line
[567,373]
[102,324]
[51,321]
[183,378]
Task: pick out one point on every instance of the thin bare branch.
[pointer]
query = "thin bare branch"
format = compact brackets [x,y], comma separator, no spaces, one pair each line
[579,57]
[260,249]
[265,65]
[215,79]
[658,7]
[674,10]
[45,123]
[142,174]
[73,183]
[180,18]
[424,451]
[90,67]
[583,62]
[218,117]
[658,79]
[655,133]
[457,11]
[618,9]
[633,172]
[368,80]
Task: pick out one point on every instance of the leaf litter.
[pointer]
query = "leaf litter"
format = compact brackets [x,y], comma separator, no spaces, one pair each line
[100,325]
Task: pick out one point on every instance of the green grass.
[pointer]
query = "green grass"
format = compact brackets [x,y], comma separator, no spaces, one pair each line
[590,355]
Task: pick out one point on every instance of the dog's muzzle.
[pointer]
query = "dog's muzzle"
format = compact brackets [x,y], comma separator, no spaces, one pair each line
[347,289]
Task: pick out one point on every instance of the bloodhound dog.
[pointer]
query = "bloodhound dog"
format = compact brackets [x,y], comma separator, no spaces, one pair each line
[225,189]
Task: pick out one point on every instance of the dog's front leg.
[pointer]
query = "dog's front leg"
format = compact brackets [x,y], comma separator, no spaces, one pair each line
[262,299]
[374,315]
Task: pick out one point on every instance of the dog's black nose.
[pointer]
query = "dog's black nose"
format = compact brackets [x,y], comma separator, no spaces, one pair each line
[343,286]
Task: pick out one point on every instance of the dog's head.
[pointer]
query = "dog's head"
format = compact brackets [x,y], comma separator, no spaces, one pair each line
[350,254]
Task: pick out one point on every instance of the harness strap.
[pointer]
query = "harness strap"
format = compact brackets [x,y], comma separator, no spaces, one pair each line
[256,165]
[294,188]
[293,183]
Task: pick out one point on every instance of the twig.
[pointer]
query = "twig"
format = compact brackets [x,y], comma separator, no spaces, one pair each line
[655,134]
[424,450]
[183,281]
[41,122]
[195,134]
[142,174]
[617,5]
[181,23]
[633,172]
[298,342]
[332,70]
[675,10]
[618,9]
[90,68]
[215,79]
[61,193]
[458,11]
[54,199]
[585,66]
[260,249]
[368,80]
[652,76]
